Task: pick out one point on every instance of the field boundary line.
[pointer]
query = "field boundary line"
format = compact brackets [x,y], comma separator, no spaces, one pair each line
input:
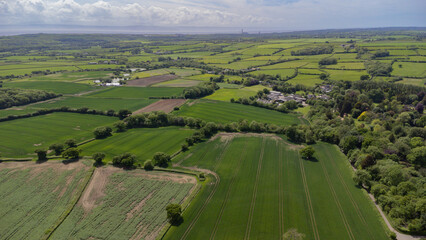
[197,216]
[74,202]
[308,199]
[336,200]
[354,203]
[225,201]
[256,183]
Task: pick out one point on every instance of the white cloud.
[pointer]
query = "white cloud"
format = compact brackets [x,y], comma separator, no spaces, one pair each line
[288,14]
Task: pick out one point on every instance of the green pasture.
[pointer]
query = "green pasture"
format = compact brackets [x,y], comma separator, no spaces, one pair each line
[285,72]
[421,82]
[73,76]
[22,136]
[345,75]
[225,112]
[54,86]
[143,142]
[266,189]
[177,83]
[226,94]
[307,80]
[409,69]
[96,103]
[137,92]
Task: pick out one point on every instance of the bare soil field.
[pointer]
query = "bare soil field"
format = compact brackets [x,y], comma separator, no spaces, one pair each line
[165,105]
[143,82]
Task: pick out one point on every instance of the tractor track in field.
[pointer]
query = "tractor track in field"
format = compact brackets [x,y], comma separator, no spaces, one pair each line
[253,200]
[345,186]
[225,201]
[216,184]
[308,199]
[336,200]
[280,193]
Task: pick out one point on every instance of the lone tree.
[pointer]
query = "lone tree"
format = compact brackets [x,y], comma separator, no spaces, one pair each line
[293,234]
[71,153]
[102,132]
[98,157]
[148,165]
[307,152]
[174,212]
[57,148]
[122,114]
[161,159]
[41,154]
[71,143]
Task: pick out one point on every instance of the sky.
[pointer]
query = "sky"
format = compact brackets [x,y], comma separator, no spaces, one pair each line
[285,15]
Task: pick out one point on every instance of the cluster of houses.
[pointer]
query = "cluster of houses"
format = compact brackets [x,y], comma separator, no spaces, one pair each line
[114,82]
[278,97]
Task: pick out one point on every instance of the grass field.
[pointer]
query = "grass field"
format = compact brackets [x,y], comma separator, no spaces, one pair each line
[346,75]
[409,69]
[144,143]
[97,103]
[73,76]
[414,81]
[177,83]
[54,86]
[225,94]
[124,205]
[136,92]
[34,196]
[307,80]
[21,137]
[267,189]
[224,112]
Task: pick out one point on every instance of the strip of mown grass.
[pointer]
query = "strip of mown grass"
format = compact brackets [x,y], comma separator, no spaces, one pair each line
[223,112]
[266,189]
[137,92]
[19,138]
[143,142]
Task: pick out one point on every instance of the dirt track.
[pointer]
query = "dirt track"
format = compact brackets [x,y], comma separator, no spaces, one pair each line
[143,82]
[165,105]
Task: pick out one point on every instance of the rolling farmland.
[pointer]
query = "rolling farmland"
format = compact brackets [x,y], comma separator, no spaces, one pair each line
[268,189]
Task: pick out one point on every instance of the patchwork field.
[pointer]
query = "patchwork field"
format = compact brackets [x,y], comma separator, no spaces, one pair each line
[147,81]
[224,112]
[54,86]
[97,103]
[34,196]
[164,105]
[144,143]
[267,189]
[121,204]
[136,92]
[21,137]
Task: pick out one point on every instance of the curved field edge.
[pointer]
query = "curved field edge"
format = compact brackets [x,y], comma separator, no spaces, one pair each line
[202,156]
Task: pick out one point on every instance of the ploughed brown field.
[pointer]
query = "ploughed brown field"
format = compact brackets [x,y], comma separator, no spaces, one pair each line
[143,82]
[165,105]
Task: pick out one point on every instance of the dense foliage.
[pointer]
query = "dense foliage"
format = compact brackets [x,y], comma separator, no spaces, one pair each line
[201,90]
[15,97]
[328,49]
[327,61]
[376,68]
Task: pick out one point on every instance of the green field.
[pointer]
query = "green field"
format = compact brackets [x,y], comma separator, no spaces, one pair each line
[136,92]
[267,189]
[177,83]
[21,137]
[131,205]
[409,69]
[97,103]
[225,94]
[224,112]
[54,86]
[73,76]
[144,143]
[307,80]
[34,196]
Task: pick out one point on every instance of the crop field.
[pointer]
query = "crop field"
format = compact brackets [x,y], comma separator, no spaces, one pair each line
[34,196]
[121,204]
[267,189]
[224,112]
[345,75]
[147,81]
[54,86]
[97,103]
[177,83]
[136,92]
[21,137]
[144,143]
[414,81]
